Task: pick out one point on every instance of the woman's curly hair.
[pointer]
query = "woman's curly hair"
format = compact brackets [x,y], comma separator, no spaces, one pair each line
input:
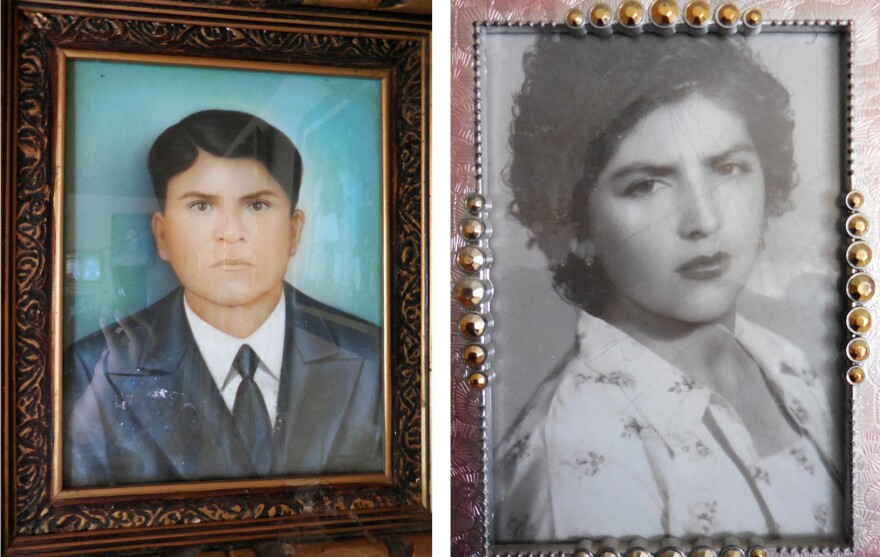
[582,95]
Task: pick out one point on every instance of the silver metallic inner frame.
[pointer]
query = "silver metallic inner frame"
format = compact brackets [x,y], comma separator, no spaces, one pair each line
[476,503]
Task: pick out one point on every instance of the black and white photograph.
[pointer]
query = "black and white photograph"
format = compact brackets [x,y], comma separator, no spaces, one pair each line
[666,237]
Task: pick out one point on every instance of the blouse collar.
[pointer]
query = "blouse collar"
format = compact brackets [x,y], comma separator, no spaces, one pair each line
[670,400]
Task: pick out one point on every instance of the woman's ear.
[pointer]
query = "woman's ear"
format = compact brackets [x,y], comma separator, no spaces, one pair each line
[585,249]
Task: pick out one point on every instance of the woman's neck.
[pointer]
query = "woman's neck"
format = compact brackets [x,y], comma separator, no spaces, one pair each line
[695,348]
[709,354]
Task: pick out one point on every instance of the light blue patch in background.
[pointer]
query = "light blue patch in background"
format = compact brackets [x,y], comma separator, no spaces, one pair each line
[114,113]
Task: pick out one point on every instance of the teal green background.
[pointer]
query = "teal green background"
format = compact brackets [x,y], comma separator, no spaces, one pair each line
[114,112]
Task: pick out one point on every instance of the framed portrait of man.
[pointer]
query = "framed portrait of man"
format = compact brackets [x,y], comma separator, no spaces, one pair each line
[256,242]
[662,348]
[228,276]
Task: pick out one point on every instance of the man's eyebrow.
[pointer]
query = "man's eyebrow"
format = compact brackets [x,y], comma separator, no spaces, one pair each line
[258,194]
[198,195]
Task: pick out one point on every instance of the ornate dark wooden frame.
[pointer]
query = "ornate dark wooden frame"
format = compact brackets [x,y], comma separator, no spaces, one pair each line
[264,31]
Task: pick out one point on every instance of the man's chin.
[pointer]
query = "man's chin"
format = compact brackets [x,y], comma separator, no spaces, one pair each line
[232,299]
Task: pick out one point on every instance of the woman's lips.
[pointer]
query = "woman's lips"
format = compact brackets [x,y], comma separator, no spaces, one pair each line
[705,267]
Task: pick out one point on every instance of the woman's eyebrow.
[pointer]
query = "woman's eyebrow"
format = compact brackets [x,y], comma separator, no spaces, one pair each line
[736,149]
[660,170]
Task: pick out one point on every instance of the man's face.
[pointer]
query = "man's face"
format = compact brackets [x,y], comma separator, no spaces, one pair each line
[227,232]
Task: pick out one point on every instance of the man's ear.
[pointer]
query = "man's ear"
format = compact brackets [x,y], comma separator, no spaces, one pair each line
[158,225]
[297,221]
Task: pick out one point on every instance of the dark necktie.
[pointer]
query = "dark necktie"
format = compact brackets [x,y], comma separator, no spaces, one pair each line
[250,411]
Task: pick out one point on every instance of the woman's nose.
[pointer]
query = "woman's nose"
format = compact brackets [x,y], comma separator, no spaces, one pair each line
[701,213]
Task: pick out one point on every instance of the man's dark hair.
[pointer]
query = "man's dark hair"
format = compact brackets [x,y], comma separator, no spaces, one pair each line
[224,133]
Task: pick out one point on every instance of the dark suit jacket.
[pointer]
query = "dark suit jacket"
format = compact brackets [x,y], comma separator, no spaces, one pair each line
[165,420]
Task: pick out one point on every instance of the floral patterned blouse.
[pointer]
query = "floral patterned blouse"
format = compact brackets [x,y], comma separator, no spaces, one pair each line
[606,448]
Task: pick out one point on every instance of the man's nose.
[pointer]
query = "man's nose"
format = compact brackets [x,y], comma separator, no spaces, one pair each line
[701,212]
[231,227]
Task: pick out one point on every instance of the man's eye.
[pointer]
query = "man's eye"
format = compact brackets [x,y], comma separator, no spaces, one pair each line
[643,188]
[259,205]
[200,206]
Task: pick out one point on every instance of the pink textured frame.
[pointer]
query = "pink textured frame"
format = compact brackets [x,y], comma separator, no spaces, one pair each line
[470,458]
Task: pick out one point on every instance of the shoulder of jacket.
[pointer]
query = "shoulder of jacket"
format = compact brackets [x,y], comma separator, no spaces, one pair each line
[347,331]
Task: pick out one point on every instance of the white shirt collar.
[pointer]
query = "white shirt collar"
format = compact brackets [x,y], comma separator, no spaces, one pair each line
[218,349]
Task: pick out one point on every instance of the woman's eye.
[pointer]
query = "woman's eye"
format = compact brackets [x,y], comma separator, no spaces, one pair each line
[732,169]
[642,188]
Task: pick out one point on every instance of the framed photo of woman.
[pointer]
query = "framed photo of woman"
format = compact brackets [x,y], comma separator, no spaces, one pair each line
[665,339]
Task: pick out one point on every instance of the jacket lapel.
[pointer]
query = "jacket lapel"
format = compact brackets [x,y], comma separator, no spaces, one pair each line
[317,381]
[222,453]
[183,425]
[175,403]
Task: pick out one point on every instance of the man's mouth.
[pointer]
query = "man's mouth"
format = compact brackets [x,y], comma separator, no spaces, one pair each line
[705,267]
[232,264]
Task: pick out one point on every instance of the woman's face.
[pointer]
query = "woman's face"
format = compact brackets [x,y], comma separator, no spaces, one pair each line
[676,216]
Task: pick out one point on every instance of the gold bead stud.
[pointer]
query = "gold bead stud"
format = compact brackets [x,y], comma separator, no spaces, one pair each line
[860,287]
[472,229]
[855,375]
[671,552]
[757,551]
[575,18]
[631,14]
[855,200]
[472,325]
[475,203]
[600,15]
[859,320]
[580,552]
[698,13]
[474,355]
[471,259]
[637,552]
[702,551]
[858,350]
[857,225]
[470,292]
[753,18]
[727,15]
[608,553]
[478,380]
[664,13]
[733,552]
[859,254]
